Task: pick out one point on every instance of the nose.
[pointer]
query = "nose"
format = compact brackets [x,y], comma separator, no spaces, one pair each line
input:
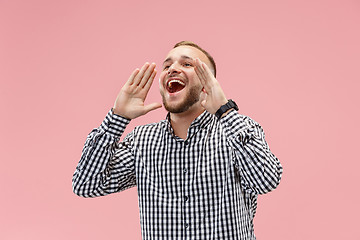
[173,69]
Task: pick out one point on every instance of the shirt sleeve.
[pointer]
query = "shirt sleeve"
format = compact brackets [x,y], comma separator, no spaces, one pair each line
[106,165]
[259,168]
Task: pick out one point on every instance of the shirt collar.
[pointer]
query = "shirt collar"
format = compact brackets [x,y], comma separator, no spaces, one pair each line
[201,121]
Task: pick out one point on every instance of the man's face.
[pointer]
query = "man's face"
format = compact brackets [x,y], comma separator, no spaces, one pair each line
[180,87]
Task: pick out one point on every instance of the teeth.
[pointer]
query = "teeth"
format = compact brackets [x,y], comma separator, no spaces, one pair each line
[175,81]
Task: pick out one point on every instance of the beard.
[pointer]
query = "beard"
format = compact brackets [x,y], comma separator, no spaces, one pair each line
[192,97]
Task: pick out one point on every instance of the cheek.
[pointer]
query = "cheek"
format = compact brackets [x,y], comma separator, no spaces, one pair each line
[193,78]
[161,79]
[162,76]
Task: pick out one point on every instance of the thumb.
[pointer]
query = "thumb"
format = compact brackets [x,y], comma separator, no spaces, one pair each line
[151,107]
[203,96]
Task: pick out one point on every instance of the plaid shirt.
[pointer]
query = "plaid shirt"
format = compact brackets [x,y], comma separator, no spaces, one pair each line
[204,187]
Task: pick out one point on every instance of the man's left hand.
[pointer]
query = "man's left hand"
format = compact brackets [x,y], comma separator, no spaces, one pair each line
[214,96]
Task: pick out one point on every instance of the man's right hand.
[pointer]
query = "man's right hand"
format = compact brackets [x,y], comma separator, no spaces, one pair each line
[130,100]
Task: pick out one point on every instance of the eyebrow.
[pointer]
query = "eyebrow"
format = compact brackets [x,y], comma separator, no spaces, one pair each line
[182,56]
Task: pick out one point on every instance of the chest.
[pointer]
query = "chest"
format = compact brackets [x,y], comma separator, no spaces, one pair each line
[170,167]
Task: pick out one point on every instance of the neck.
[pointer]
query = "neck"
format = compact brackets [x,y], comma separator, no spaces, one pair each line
[181,122]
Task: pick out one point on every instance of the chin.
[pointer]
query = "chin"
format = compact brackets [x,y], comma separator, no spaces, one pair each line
[188,104]
[176,108]
[189,99]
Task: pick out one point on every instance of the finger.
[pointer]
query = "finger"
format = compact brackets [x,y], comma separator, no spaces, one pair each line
[150,81]
[206,72]
[201,78]
[203,95]
[207,77]
[199,65]
[147,75]
[203,82]
[209,74]
[200,70]
[206,69]
[151,107]
[132,76]
[141,73]
[201,75]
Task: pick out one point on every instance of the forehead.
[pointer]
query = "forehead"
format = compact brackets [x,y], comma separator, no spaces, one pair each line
[188,51]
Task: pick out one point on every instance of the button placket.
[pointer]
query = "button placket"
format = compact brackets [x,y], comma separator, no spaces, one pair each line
[186,179]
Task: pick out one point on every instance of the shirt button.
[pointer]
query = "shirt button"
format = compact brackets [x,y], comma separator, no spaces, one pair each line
[186,225]
[186,198]
[186,143]
[185,170]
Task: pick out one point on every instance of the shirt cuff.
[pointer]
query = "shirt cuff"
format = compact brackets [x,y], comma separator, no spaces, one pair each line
[114,124]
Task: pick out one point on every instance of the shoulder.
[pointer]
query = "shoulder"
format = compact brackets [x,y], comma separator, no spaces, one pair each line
[150,128]
[149,134]
[235,119]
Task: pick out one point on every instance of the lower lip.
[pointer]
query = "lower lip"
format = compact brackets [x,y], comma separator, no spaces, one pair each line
[175,93]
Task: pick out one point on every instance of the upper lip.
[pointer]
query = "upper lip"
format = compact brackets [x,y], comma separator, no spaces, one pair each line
[175,78]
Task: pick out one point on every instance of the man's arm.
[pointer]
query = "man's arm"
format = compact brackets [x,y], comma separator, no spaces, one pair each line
[107,166]
[259,169]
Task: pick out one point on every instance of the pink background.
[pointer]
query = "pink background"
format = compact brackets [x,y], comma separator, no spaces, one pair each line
[291,65]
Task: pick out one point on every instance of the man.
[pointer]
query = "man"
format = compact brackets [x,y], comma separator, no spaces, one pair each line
[199,171]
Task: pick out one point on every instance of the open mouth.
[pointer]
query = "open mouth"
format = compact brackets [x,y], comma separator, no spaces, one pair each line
[174,85]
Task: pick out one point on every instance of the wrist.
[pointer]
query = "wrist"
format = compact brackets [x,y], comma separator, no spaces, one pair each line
[225,113]
[116,112]
[226,108]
